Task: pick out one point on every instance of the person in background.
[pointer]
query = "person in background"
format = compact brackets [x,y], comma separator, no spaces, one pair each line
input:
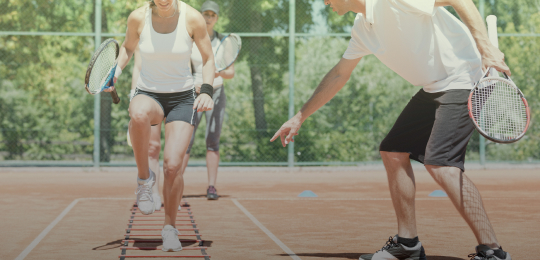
[214,117]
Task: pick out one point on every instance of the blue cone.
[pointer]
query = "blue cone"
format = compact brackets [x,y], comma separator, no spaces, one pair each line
[438,193]
[307,194]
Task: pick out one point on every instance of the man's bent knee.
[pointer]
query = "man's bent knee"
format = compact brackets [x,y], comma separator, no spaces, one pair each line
[394,156]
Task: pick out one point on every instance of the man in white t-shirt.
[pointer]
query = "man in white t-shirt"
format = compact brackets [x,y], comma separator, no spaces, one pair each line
[429,47]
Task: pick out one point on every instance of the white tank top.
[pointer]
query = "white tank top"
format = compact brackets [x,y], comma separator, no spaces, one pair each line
[165,58]
[196,60]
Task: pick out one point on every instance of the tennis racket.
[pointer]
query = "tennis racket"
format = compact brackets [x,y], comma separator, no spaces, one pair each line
[100,72]
[497,107]
[227,51]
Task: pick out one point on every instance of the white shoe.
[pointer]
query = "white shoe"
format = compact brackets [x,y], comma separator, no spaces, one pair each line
[179,207]
[145,202]
[157,201]
[171,243]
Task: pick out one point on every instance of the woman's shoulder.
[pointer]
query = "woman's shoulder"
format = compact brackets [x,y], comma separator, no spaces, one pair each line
[192,14]
[138,14]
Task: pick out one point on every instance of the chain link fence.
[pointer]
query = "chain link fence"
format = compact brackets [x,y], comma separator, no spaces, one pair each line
[48,119]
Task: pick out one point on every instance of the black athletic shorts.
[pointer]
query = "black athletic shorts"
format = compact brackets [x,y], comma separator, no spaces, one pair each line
[177,106]
[434,128]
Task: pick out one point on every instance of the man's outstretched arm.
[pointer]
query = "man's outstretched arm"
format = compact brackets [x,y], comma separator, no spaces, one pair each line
[467,11]
[334,80]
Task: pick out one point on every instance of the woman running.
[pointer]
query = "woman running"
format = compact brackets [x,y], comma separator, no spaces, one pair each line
[165,31]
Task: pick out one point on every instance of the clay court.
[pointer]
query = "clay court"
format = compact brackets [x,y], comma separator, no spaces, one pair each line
[83,213]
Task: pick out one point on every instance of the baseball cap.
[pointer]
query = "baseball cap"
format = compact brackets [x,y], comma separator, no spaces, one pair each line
[210,6]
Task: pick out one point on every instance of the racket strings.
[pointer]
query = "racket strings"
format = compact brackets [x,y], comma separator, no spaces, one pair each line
[227,52]
[499,110]
[100,70]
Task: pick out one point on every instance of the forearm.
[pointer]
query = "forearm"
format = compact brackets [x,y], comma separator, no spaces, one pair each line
[331,84]
[228,73]
[209,71]
[470,16]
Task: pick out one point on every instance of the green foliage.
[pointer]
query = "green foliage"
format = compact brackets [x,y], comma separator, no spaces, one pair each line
[46,114]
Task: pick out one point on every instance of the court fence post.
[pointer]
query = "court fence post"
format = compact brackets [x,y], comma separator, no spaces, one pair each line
[97,97]
[292,31]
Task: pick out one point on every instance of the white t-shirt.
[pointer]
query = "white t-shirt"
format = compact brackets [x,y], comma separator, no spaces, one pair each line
[196,61]
[427,46]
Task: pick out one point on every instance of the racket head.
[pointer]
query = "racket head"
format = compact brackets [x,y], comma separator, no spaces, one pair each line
[102,67]
[499,109]
[227,51]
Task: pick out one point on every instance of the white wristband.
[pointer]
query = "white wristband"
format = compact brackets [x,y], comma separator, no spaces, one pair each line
[118,72]
[131,94]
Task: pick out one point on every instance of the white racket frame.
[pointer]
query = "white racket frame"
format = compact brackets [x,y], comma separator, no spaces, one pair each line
[494,76]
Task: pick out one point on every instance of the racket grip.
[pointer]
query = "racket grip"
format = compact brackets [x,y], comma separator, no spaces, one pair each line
[115,97]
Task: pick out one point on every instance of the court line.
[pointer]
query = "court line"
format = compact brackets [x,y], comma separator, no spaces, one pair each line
[48,229]
[266,231]
[43,233]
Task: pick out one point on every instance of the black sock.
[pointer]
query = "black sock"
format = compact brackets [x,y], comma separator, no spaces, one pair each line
[408,242]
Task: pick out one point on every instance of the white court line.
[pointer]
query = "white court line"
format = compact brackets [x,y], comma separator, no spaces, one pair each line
[44,233]
[266,231]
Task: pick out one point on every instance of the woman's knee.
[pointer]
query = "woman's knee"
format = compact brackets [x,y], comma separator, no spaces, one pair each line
[154,149]
[139,116]
[171,168]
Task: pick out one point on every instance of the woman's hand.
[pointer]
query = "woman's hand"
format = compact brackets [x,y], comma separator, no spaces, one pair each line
[111,88]
[203,103]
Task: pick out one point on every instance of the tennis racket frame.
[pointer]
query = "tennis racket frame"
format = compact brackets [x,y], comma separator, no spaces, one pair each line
[110,77]
[237,53]
[508,81]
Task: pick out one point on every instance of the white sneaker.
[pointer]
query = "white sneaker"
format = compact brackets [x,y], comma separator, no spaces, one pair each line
[157,201]
[145,202]
[171,243]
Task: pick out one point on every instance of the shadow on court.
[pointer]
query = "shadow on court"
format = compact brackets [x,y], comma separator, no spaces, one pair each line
[202,196]
[141,243]
[357,256]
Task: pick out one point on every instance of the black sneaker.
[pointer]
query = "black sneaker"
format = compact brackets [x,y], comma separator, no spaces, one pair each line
[484,252]
[395,250]
[211,193]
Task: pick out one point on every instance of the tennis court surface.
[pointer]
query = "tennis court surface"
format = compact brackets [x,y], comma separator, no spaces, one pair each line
[83,213]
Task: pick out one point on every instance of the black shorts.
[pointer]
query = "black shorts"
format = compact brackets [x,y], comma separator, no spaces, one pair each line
[434,128]
[177,106]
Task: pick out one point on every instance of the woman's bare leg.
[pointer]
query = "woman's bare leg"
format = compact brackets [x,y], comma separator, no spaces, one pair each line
[177,138]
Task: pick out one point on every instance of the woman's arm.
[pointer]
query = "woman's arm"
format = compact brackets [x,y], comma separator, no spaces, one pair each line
[135,20]
[227,73]
[202,40]
[197,30]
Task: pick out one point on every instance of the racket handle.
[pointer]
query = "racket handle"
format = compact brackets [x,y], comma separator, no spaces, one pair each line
[114,95]
[492,30]
[493,38]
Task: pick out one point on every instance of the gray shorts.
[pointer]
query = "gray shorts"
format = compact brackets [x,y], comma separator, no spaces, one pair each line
[434,128]
[214,121]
